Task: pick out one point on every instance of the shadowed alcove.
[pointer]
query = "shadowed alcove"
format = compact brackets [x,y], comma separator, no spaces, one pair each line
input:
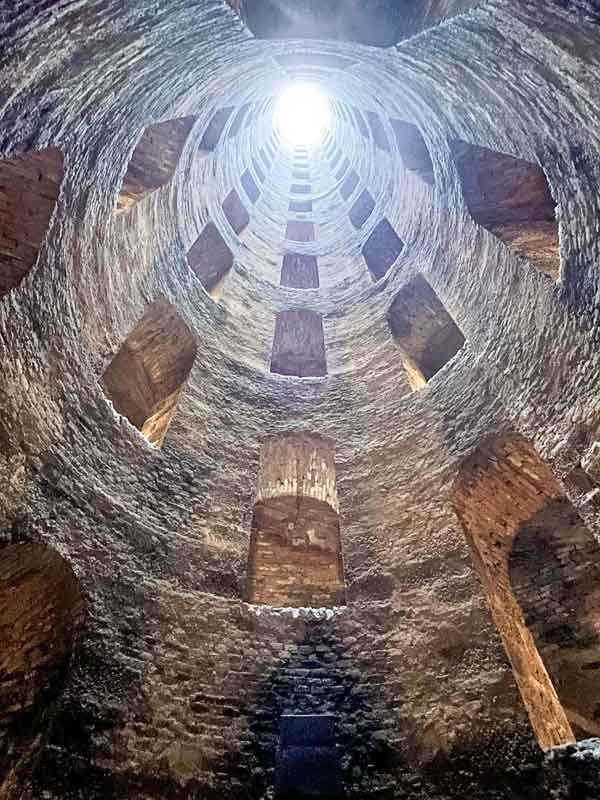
[154,160]
[295,554]
[511,198]
[42,610]
[426,334]
[146,377]
[29,188]
[540,570]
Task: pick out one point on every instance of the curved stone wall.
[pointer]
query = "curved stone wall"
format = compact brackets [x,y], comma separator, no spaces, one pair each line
[178,684]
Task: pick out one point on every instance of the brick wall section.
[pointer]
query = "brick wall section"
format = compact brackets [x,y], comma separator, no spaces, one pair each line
[42,610]
[426,334]
[154,160]
[295,554]
[511,198]
[299,464]
[145,378]
[539,568]
[29,187]
[555,575]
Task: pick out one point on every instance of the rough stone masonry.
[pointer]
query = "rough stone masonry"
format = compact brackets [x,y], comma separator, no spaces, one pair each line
[419,472]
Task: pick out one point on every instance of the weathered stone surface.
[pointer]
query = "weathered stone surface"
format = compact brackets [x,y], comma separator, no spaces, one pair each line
[177,686]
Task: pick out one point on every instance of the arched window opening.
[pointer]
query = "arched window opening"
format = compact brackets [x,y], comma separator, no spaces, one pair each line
[214,129]
[298,230]
[427,336]
[250,186]
[381,249]
[29,189]
[235,212]
[511,198]
[413,150]
[362,209]
[299,344]
[238,119]
[377,130]
[211,260]
[300,271]
[42,611]
[154,160]
[295,556]
[540,570]
[301,206]
[145,379]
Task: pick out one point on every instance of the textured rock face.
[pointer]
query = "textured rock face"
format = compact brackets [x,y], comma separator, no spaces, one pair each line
[175,686]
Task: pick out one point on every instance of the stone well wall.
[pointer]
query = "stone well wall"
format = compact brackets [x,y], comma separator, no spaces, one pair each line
[175,687]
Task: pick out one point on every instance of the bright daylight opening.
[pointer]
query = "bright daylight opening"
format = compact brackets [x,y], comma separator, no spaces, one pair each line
[302,115]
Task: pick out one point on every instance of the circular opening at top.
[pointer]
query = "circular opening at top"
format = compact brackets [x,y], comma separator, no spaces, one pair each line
[302,115]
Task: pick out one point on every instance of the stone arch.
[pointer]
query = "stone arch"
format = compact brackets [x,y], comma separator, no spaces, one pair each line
[154,160]
[42,611]
[295,555]
[145,379]
[540,570]
[511,198]
[29,189]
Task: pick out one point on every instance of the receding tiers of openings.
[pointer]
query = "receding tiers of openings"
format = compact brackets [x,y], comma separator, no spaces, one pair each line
[362,209]
[381,249]
[29,189]
[42,611]
[511,198]
[145,379]
[300,271]
[235,212]
[299,344]
[413,150]
[301,206]
[213,132]
[426,334]
[298,230]
[250,187]
[295,556]
[301,175]
[154,160]
[211,259]
[540,570]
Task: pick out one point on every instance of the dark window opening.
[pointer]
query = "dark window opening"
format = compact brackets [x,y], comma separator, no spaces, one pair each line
[211,260]
[427,336]
[362,209]
[299,344]
[146,377]
[300,271]
[213,132]
[511,198]
[381,249]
